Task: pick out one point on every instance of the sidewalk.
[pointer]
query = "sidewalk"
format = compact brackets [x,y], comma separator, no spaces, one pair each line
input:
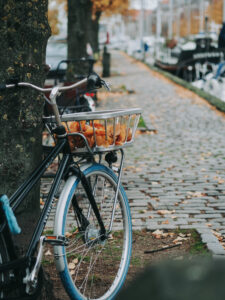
[175,178]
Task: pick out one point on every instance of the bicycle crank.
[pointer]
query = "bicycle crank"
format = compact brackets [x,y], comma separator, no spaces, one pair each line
[31,279]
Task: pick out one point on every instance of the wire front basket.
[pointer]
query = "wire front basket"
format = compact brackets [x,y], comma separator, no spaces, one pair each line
[99,131]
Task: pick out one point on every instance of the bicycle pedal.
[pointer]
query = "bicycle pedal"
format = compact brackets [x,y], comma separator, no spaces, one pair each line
[56,240]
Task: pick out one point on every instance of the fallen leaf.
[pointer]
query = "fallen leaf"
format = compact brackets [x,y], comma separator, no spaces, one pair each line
[165,212]
[179,240]
[182,235]
[68,234]
[157,233]
[48,253]
[165,222]
[75,261]
[220,181]
[196,194]
[71,266]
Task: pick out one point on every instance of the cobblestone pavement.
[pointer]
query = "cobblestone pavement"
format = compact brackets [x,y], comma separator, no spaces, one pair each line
[175,178]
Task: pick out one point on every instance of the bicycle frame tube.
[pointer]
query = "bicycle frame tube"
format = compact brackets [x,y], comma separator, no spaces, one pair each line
[24,189]
[91,198]
[48,205]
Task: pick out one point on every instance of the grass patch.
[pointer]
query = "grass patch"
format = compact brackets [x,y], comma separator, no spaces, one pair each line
[136,261]
[48,232]
[141,123]
[46,262]
[197,247]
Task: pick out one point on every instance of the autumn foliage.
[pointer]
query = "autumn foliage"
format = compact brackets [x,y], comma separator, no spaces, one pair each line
[110,7]
[53,20]
[215,11]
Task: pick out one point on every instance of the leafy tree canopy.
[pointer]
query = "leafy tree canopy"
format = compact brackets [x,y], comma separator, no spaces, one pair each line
[108,7]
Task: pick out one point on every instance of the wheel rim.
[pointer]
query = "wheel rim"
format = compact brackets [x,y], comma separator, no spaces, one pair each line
[96,267]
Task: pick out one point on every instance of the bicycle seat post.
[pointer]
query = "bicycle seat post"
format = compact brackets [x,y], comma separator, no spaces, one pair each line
[54,93]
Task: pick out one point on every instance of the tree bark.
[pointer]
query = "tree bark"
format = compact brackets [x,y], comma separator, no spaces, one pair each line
[24,32]
[79,17]
[93,32]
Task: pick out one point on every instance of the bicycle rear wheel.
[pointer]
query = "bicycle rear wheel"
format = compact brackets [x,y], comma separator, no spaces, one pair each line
[91,268]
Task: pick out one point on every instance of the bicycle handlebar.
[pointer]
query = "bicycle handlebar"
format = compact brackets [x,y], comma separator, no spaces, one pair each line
[43,90]
[91,82]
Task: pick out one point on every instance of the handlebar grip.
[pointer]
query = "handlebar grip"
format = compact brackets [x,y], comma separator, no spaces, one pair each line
[94,81]
[2,87]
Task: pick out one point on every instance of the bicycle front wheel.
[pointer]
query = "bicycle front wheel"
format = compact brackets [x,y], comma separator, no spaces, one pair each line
[89,267]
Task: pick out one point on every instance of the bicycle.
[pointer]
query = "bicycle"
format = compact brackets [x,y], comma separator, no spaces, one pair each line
[75,100]
[92,230]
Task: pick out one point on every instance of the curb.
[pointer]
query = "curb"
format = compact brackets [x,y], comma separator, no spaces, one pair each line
[211,242]
[214,101]
[219,104]
[208,238]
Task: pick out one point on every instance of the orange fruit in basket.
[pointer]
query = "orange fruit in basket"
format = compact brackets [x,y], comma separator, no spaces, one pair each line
[97,124]
[110,131]
[110,140]
[122,135]
[100,140]
[119,143]
[100,131]
[117,130]
[83,125]
[91,141]
[74,126]
[89,131]
[129,136]
[103,138]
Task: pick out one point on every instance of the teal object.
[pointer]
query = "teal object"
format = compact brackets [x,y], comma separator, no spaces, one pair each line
[11,219]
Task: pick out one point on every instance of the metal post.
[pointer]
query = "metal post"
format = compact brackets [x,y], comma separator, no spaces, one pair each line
[158,26]
[178,20]
[142,30]
[223,11]
[201,10]
[189,17]
[170,34]
[150,23]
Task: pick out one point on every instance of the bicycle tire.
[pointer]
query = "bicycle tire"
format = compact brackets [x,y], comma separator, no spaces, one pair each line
[101,271]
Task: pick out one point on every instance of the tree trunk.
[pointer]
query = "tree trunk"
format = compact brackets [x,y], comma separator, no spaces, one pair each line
[93,32]
[24,32]
[79,17]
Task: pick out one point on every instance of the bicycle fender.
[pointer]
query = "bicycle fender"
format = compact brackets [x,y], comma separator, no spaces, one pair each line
[61,206]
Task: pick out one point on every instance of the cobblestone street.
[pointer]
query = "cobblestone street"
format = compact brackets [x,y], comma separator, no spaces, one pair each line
[176,177]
